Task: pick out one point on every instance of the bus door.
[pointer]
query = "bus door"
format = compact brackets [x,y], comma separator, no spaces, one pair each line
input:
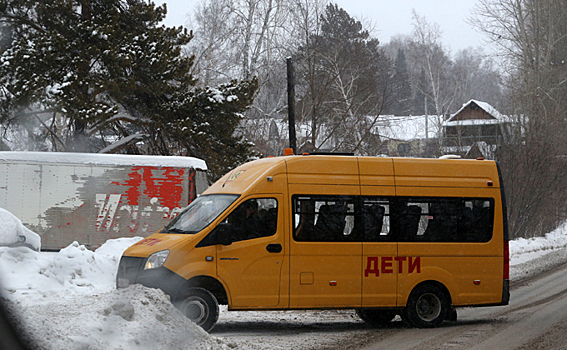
[251,266]
[325,259]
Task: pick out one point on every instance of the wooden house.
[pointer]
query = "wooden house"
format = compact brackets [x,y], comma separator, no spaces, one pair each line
[475,129]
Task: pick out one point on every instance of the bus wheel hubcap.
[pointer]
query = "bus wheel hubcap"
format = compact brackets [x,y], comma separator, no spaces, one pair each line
[195,309]
[428,307]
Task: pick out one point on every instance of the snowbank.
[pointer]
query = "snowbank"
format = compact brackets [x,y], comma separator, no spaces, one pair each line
[131,318]
[14,233]
[523,250]
[68,300]
[34,276]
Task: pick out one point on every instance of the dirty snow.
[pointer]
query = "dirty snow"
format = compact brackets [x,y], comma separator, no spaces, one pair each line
[68,300]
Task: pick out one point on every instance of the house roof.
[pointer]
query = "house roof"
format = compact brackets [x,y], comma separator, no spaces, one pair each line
[497,117]
[406,128]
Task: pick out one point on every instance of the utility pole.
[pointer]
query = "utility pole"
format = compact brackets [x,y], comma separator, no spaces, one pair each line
[291,105]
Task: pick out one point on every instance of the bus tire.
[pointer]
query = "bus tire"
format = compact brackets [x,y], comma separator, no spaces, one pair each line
[200,306]
[426,307]
[376,317]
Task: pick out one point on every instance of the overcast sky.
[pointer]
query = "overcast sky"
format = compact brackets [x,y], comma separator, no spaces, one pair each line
[390,17]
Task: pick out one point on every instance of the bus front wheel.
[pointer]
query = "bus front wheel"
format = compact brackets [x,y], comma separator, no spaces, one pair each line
[200,306]
[426,307]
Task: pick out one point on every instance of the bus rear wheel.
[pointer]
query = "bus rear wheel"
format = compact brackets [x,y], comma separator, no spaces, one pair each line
[200,306]
[376,317]
[427,307]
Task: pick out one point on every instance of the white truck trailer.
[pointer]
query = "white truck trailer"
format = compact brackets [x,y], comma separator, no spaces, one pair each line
[90,198]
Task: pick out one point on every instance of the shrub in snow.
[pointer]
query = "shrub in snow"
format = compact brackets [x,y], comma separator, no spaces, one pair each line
[13,233]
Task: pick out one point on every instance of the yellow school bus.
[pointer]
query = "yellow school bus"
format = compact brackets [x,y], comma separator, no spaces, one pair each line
[384,236]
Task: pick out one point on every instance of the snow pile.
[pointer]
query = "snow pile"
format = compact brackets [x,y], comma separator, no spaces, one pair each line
[68,300]
[523,250]
[131,318]
[74,270]
[14,233]
[530,257]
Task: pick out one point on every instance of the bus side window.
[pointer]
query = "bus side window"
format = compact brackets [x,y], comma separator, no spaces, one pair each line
[331,222]
[446,219]
[410,221]
[482,221]
[444,216]
[373,224]
[254,218]
[373,219]
[321,218]
[304,218]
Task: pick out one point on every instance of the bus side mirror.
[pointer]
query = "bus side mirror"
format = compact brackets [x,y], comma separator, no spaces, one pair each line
[224,234]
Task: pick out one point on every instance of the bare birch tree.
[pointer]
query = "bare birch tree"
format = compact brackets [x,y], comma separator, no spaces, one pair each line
[346,83]
[532,39]
[431,58]
[245,38]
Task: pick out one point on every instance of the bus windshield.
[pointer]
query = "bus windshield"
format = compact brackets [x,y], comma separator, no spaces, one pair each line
[200,213]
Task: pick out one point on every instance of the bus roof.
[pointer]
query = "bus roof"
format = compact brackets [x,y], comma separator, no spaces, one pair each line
[355,170]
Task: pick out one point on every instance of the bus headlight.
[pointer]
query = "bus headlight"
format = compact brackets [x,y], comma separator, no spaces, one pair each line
[156,260]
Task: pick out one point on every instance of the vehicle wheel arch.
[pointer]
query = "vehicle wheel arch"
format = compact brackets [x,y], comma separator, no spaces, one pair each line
[209,283]
[428,305]
[434,283]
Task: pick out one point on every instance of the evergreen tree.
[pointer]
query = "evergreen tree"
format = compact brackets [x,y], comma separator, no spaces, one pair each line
[206,125]
[401,87]
[346,78]
[109,70]
[419,98]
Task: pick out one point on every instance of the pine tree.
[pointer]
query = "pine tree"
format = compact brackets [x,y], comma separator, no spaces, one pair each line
[206,124]
[419,98]
[401,87]
[109,70]
[346,78]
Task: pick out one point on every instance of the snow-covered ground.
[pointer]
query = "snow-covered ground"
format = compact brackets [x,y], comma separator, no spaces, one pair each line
[68,300]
